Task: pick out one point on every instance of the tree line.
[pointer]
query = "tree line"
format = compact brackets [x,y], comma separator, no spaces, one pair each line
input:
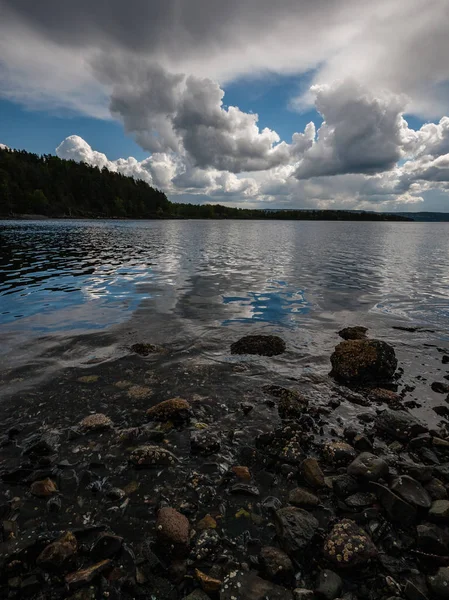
[50,186]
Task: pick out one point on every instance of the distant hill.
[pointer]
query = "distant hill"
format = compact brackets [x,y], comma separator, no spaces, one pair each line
[51,187]
[427,216]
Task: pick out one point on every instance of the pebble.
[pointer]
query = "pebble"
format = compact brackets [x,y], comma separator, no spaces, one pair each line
[172,532]
[329,585]
[44,488]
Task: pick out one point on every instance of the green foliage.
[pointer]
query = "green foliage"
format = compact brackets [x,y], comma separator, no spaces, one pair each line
[47,185]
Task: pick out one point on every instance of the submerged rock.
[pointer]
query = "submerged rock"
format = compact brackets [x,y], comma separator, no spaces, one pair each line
[176,410]
[172,531]
[359,361]
[348,545]
[399,425]
[353,333]
[249,586]
[96,422]
[152,456]
[295,529]
[264,345]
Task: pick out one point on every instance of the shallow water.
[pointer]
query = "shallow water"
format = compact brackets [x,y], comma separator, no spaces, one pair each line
[74,292]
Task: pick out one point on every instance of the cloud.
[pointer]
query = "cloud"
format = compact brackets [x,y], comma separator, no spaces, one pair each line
[4,147]
[361,133]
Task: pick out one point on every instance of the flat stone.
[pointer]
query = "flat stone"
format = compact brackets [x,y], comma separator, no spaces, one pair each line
[152,456]
[411,491]
[348,545]
[368,467]
[295,529]
[360,500]
[176,410]
[439,511]
[208,583]
[363,361]
[264,345]
[397,509]
[41,444]
[439,583]
[249,586]
[173,530]
[312,473]
[399,425]
[302,497]
[329,585]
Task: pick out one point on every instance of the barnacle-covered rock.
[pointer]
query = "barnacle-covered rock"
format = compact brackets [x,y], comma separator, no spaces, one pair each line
[176,410]
[264,345]
[359,361]
[172,530]
[152,456]
[96,422]
[356,332]
[339,453]
[348,545]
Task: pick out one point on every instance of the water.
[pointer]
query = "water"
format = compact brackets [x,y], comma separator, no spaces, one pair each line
[203,283]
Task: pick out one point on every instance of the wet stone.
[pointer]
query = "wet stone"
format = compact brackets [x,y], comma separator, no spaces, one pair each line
[249,586]
[244,488]
[396,508]
[264,345]
[208,582]
[95,422]
[344,485]
[206,545]
[176,410]
[152,456]
[363,361]
[339,453]
[312,473]
[431,539]
[197,595]
[411,491]
[242,473]
[362,443]
[399,425]
[356,332]
[348,545]
[56,554]
[276,565]
[360,500]
[105,546]
[295,529]
[44,488]
[436,489]
[85,576]
[302,497]
[172,530]
[204,442]
[43,444]
[329,585]
[439,583]
[439,511]
[368,467]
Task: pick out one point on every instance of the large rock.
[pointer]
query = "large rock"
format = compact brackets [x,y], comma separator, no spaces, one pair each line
[399,425]
[368,467]
[176,410]
[264,345]
[172,531]
[295,529]
[397,509]
[348,545]
[363,361]
[249,586]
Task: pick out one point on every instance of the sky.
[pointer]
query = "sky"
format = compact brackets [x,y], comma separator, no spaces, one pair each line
[252,103]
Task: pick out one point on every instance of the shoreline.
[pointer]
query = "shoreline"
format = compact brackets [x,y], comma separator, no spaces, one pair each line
[222,492]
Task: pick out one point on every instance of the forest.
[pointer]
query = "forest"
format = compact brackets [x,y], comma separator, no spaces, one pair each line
[52,187]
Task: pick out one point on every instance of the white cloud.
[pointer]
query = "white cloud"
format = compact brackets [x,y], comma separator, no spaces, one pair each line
[4,147]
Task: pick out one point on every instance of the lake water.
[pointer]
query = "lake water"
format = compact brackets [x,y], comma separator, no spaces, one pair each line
[74,291]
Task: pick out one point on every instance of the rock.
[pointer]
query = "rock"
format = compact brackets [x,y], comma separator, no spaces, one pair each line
[105,546]
[439,511]
[145,349]
[85,576]
[344,485]
[208,583]
[175,410]
[353,333]
[173,530]
[436,489]
[362,443]
[206,545]
[303,594]
[383,395]
[418,471]
[368,467]
[440,387]
[339,454]
[276,565]
[439,583]
[54,504]
[431,539]
[242,473]
[363,361]
[412,591]
[348,545]
[249,586]
[207,522]
[264,345]
[244,488]
[44,488]
[397,509]
[197,595]
[96,422]
[204,442]
[329,585]
[312,472]
[292,405]
[302,497]
[411,491]
[295,529]
[56,554]
[442,471]
[30,586]
[43,444]
[360,500]
[152,456]
[399,425]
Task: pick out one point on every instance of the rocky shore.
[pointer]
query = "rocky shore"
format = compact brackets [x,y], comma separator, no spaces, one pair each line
[123,482]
